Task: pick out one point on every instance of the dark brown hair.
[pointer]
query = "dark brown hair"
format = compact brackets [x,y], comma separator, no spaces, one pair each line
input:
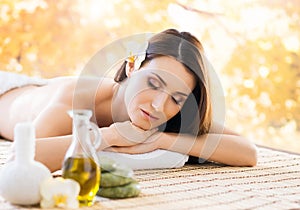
[195,115]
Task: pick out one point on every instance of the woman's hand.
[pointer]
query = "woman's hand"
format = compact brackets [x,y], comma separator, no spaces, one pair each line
[151,144]
[124,134]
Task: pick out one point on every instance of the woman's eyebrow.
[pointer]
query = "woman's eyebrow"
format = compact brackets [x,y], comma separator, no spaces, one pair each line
[165,84]
[181,93]
[161,79]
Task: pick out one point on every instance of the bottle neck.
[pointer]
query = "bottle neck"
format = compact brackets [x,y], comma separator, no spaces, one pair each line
[81,144]
[81,139]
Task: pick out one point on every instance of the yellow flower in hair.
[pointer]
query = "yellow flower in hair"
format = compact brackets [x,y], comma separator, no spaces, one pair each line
[131,58]
[135,60]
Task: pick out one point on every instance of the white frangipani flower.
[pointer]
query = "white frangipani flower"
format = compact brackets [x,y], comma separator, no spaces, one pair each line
[138,60]
[138,57]
[141,56]
[59,192]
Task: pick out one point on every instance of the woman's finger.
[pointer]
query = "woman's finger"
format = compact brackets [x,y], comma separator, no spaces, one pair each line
[129,134]
[136,149]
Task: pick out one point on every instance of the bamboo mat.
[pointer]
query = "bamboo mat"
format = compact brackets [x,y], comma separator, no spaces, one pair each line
[273,184]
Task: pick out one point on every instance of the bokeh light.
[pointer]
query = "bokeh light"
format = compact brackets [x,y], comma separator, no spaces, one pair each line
[253,45]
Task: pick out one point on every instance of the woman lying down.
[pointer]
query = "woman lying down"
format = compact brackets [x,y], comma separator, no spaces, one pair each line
[164,103]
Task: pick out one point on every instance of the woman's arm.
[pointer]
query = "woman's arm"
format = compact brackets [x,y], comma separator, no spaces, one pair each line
[226,147]
[51,150]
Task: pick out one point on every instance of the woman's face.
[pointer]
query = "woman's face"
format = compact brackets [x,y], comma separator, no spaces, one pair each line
[157,91]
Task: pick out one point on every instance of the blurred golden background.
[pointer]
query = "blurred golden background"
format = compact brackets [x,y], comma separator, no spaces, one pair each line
[254,46]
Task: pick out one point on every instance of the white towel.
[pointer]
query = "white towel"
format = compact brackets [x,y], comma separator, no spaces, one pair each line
[9,81]
[151,160]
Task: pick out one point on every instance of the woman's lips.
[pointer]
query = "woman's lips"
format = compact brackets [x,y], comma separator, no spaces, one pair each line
[147,115]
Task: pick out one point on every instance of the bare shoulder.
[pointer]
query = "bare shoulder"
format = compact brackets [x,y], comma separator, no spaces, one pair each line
[76,93]
[48,104]
[90,90]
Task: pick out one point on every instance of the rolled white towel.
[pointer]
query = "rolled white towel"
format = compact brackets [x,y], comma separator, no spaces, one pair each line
[151,160]
[9,81]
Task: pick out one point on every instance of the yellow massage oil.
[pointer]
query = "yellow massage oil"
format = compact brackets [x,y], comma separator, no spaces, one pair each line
[87,173]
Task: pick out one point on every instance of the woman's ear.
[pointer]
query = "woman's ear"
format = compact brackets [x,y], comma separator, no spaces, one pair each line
[129,68]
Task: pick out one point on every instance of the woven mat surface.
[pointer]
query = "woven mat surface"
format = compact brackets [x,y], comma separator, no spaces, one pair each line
[273,184]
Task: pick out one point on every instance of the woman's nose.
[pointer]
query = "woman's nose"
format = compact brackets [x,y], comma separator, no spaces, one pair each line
[159,101]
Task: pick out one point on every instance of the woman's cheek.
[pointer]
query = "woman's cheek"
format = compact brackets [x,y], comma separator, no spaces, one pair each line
[135,87]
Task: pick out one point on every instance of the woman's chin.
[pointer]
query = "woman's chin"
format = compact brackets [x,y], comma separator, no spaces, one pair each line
[144,126]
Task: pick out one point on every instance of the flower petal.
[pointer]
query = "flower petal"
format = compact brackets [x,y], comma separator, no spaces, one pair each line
[72,187]
[73,203]
[59,192]
[46,204]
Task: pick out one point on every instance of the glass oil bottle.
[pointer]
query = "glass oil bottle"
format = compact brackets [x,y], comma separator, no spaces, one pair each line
[80,163]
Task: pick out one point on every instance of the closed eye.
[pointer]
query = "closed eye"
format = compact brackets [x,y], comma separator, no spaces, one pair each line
[154,83]
[178,99]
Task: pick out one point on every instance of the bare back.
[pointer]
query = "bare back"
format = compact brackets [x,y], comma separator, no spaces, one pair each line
[47,105]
